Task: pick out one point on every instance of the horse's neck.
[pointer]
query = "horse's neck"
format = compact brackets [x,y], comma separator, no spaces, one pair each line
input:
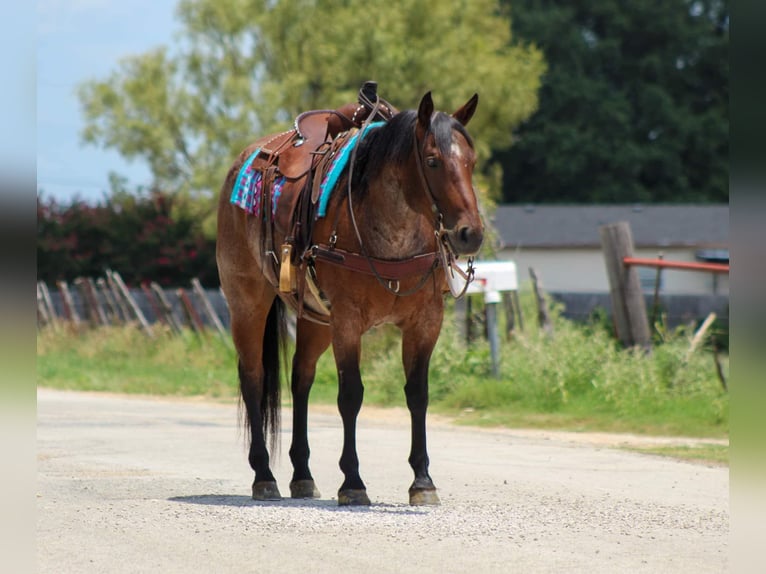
[391,228]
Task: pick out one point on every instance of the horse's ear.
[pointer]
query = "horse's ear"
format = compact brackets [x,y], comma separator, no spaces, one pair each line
[425,110]
[464,114]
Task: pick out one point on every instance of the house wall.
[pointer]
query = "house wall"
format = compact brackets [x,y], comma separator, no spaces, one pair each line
[583,270]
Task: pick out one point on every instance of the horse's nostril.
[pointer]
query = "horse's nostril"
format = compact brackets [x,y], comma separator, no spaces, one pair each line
[466,239]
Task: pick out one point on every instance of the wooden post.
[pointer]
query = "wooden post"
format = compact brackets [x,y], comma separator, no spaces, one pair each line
[96,314]
[628,306]
[517,305]
[191,313]
[137,313]
[206,305]
[44,295]
[699,335]
[112,309]
[70,311]
[43,317]
[99,307]
[151,298]
[543,318]
[119,299]
[48,304]
[468,320]
[718,366]
[167,308]
[510,322]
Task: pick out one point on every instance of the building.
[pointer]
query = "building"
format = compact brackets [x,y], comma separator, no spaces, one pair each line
[562,243]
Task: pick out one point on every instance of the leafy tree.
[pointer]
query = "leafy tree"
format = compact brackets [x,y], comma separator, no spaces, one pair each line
[247,67]
[634,105]
[135,234]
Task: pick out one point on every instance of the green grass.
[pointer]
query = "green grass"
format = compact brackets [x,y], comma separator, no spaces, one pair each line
[711,454]
[579,379]
[124,360]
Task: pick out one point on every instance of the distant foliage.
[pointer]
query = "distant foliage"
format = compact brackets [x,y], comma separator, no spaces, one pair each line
[580,376]
[244,68]
[633,107]
[142,236]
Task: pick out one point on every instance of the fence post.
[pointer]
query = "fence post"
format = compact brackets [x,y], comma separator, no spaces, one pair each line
[119,300]
[543,318]
[167,308]
[208,307]
[70,311]
[191,314]
[47,304]
[137,313]
[628,305]
[510,321]
[112,309]
[517,305]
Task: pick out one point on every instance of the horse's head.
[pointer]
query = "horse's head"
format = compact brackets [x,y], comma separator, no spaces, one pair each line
[446,160]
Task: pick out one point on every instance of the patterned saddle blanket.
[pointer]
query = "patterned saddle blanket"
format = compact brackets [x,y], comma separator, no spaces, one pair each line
[247,192]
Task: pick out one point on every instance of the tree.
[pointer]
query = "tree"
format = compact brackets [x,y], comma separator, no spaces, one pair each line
[135,234]
[634,105]
[247,67]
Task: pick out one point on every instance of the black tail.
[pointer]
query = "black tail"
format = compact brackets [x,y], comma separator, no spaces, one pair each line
[274,355]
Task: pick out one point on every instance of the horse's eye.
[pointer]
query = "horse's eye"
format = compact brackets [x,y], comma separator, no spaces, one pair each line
[431,161]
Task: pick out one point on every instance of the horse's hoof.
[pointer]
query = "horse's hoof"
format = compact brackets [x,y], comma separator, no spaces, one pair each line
[353,497]
[304,489]
[424,498]
[266,490]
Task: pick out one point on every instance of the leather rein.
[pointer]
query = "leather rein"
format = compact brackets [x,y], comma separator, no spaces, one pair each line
[387,272]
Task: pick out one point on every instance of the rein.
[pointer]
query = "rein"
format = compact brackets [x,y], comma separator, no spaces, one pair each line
[389,273]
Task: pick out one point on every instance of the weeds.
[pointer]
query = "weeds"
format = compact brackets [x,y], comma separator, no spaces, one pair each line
[579,379]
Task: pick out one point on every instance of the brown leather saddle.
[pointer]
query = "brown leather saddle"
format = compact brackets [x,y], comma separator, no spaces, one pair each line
[301,155]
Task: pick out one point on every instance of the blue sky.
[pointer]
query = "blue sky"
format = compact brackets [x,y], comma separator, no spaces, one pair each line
[78,40]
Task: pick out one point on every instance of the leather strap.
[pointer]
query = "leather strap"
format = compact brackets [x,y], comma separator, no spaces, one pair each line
[391,270]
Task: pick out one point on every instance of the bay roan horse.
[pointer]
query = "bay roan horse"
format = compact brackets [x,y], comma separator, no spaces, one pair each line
[410,195]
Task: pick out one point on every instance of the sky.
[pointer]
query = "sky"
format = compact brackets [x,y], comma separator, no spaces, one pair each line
[80,40]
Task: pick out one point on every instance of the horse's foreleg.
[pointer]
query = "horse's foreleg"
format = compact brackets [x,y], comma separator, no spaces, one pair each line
[312,341]
[346,346]
[417,346]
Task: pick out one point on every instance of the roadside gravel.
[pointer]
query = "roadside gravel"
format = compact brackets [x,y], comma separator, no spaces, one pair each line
[162,485]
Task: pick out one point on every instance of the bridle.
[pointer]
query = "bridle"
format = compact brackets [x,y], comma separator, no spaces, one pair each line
[446,256]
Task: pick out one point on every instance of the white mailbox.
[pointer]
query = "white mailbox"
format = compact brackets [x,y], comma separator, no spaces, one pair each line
[493,277]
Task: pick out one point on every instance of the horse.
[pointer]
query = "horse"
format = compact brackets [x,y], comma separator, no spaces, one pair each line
[403,210]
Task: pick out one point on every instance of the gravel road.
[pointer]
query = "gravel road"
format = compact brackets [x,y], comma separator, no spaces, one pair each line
[162,485]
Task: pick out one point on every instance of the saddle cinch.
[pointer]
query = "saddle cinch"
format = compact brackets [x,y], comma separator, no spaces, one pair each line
[302,155]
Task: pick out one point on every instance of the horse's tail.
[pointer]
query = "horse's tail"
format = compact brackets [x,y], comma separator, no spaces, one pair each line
[274,354]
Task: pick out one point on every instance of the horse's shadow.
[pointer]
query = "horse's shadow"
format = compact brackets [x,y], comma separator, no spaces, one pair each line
[330,505]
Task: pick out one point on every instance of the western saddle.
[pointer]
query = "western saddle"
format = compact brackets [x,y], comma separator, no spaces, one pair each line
[302,155]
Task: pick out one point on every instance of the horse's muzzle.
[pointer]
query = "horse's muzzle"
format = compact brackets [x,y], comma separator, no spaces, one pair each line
[465,240]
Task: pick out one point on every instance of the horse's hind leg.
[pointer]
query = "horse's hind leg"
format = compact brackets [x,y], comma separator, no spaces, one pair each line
[417,345]
[312,340]
[254,330]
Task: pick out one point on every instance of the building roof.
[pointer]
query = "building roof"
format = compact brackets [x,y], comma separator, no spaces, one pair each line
[547,226]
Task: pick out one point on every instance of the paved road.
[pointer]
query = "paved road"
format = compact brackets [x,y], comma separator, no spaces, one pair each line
[154,485]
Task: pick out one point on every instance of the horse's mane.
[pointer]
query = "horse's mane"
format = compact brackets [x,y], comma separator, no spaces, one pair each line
[393,143]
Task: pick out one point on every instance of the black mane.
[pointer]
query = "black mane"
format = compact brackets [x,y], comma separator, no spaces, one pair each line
[393,143]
